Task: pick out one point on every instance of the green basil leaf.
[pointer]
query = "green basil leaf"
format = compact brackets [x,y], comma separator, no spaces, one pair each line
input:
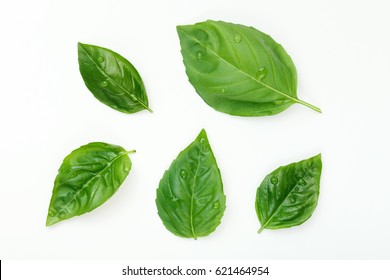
[288,196]
[87,177]
[190,198]
[237,69]
[112,79]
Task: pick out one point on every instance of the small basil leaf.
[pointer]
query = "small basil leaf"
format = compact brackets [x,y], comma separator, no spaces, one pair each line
[87,177]
[190,198]
[288,196]
[112,79]
[237,69]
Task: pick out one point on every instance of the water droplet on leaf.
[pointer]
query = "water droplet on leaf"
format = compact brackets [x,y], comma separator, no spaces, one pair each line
[223,90]
[62,214]
[174,199]
[201,35]
[302,182]
[293,199]
[82,193]
[261,73]
[216,205]
[183,174]
[278,102]
[199,55]
[100,59]
[72,204]
[237,38]
[52,213]
[274,180]
[203,143]
[104,84]
[299,175]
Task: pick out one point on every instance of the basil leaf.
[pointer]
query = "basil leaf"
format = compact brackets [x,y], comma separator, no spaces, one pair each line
[190,198]
[112,79]
[87,177]
[288,196]
[237,69]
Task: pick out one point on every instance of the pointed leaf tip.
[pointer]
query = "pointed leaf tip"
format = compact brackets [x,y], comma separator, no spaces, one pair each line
[202,134]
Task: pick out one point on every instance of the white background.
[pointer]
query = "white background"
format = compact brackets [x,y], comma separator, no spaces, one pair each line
[341,51]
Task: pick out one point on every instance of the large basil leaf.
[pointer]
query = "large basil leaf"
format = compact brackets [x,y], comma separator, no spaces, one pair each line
[288,196]
[190,198]
[237,69]
[87,177]
[112,79]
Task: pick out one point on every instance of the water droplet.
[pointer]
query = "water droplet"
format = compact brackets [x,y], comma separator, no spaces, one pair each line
[199,55]
[237,38]
[261,73]
[274,180]
[174,199]
[203,143]
[216,205]
[100,59]
[293,199]
[297,188]
[103,83]
[223,90]
[72,204]
[201,35]
[302,182]
[299,175]
[183,174]
[61,201]
[62,214]
[52,213]
[278,102]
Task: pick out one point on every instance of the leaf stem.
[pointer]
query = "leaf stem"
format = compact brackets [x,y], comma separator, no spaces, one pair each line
[309,105]
[296,100]
[130,152]
[260,230]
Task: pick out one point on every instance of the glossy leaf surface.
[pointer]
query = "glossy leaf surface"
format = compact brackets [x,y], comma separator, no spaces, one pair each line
[112,79]
[237,69]
[190,198]
[288,196]
[87,177]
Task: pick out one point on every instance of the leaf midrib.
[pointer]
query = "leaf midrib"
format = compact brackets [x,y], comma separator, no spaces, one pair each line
[192,197]
[122,88]
[275,212]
